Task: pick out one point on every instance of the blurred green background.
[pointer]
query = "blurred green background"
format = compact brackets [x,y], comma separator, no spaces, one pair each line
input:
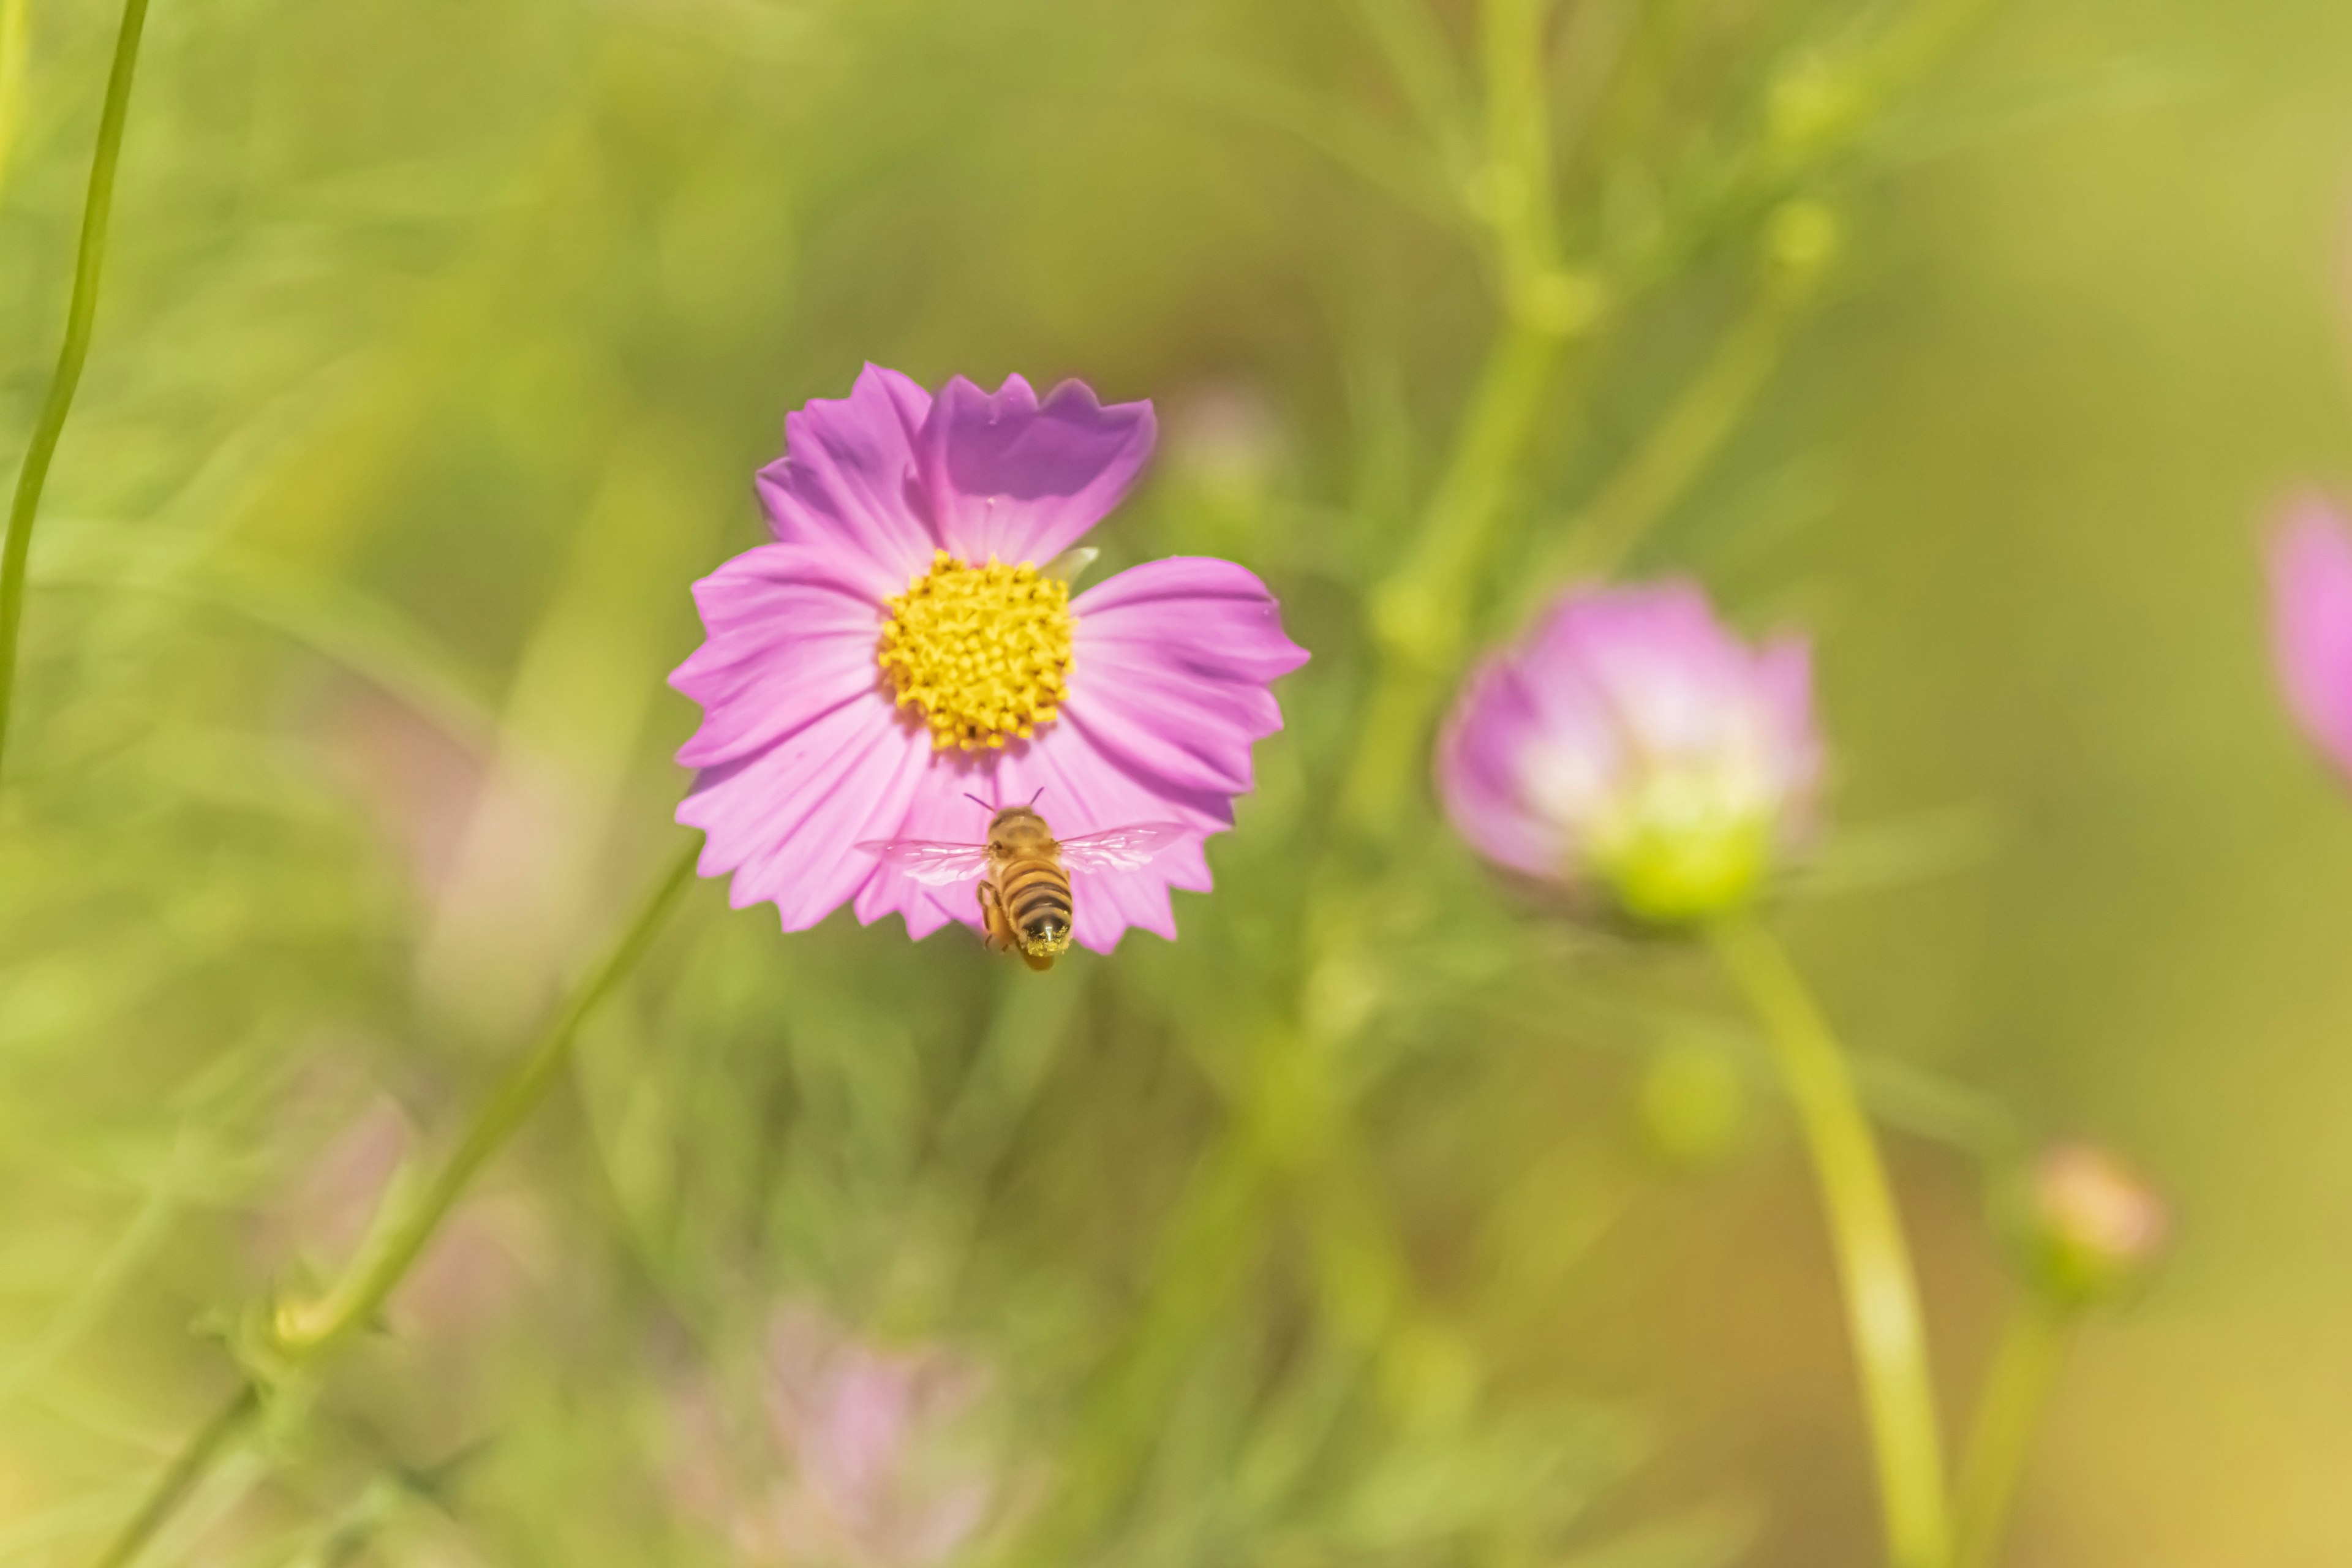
[440,341]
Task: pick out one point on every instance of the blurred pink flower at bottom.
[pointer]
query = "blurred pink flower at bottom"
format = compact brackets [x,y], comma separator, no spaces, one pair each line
[861,1457]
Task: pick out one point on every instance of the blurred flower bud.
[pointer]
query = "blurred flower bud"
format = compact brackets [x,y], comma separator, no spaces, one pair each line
[859,1457]
[2089,1226]
[1692,1104]
[1801,238]
[1810,101]
[2311,623]
[1634,746]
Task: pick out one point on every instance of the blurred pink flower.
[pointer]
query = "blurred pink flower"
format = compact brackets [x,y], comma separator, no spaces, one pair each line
[2093,1226]
[1634,742]
[2311,623]
[906,640]
[862,1459]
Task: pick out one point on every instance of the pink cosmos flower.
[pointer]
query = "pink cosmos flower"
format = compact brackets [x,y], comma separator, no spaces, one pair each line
[2311,623]
[909,641]
[1634,742]
[862,1457]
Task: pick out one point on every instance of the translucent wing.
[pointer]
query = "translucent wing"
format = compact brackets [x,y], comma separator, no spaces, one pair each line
[934,864]
[1120,848]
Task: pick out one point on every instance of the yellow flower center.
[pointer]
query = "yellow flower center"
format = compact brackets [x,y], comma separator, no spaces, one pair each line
[983,651]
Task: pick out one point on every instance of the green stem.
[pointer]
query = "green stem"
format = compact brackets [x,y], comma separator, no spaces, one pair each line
[306,1333]
[1517,194]
[1677,449]
[2025,1371]
[1421,610]
[1418,56]
[13,15]
[1882,1297]
[195,1459]
[81,314]
[305,1330]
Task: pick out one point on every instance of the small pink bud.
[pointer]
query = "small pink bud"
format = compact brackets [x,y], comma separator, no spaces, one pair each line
[2092,1226]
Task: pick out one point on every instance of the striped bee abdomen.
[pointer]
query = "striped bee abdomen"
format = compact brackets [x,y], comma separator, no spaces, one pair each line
[1036,894]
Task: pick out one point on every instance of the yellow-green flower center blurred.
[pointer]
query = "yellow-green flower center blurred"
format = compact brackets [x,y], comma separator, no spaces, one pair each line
[983,652]
[1686,849]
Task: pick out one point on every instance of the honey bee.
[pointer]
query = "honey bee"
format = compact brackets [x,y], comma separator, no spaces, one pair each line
[1023,873]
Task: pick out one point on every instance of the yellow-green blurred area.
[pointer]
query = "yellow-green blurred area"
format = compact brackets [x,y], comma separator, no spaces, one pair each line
[439,343]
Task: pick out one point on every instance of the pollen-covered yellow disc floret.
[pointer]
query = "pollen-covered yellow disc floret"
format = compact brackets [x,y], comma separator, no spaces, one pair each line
[982,651]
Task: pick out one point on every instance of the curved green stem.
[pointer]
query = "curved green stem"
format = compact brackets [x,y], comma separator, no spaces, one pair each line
[2025,1371]
[81,315]
[305,1333]
[1882,1297]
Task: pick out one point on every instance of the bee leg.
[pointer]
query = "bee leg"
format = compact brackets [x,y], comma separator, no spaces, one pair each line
[996,931]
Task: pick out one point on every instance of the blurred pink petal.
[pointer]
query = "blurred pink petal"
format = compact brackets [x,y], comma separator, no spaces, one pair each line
[2311,623]
[863,1459]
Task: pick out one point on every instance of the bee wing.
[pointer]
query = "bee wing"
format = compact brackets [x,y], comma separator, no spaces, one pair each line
[934,864]
[1120,848]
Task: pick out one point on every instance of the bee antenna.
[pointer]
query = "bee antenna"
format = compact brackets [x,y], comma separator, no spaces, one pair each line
[977,800]
[1039,796]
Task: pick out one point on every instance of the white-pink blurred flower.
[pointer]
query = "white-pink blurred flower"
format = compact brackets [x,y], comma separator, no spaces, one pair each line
[858,1456]
[1634,744]
[2311,623]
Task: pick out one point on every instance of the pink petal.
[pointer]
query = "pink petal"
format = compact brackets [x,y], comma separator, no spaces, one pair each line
[2311,623]
[786,821]
[1008,478]
[847,480]
[1674,676]
[940,812]
[791,639]
[1479,763]
[1170,676]
[1784,674]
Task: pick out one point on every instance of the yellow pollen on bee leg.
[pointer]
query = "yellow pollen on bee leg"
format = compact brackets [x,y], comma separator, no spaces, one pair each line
[982,652]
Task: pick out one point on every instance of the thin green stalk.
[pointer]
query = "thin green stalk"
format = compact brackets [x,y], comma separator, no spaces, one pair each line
[304,1333]
[81,315]
[1677,449]
[1205,1249]
[1882,1296]
[195,1459]
[14,16]
[1417,54]
[2025,1369]
[1517,191]
[305,1330]
[1422,609]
